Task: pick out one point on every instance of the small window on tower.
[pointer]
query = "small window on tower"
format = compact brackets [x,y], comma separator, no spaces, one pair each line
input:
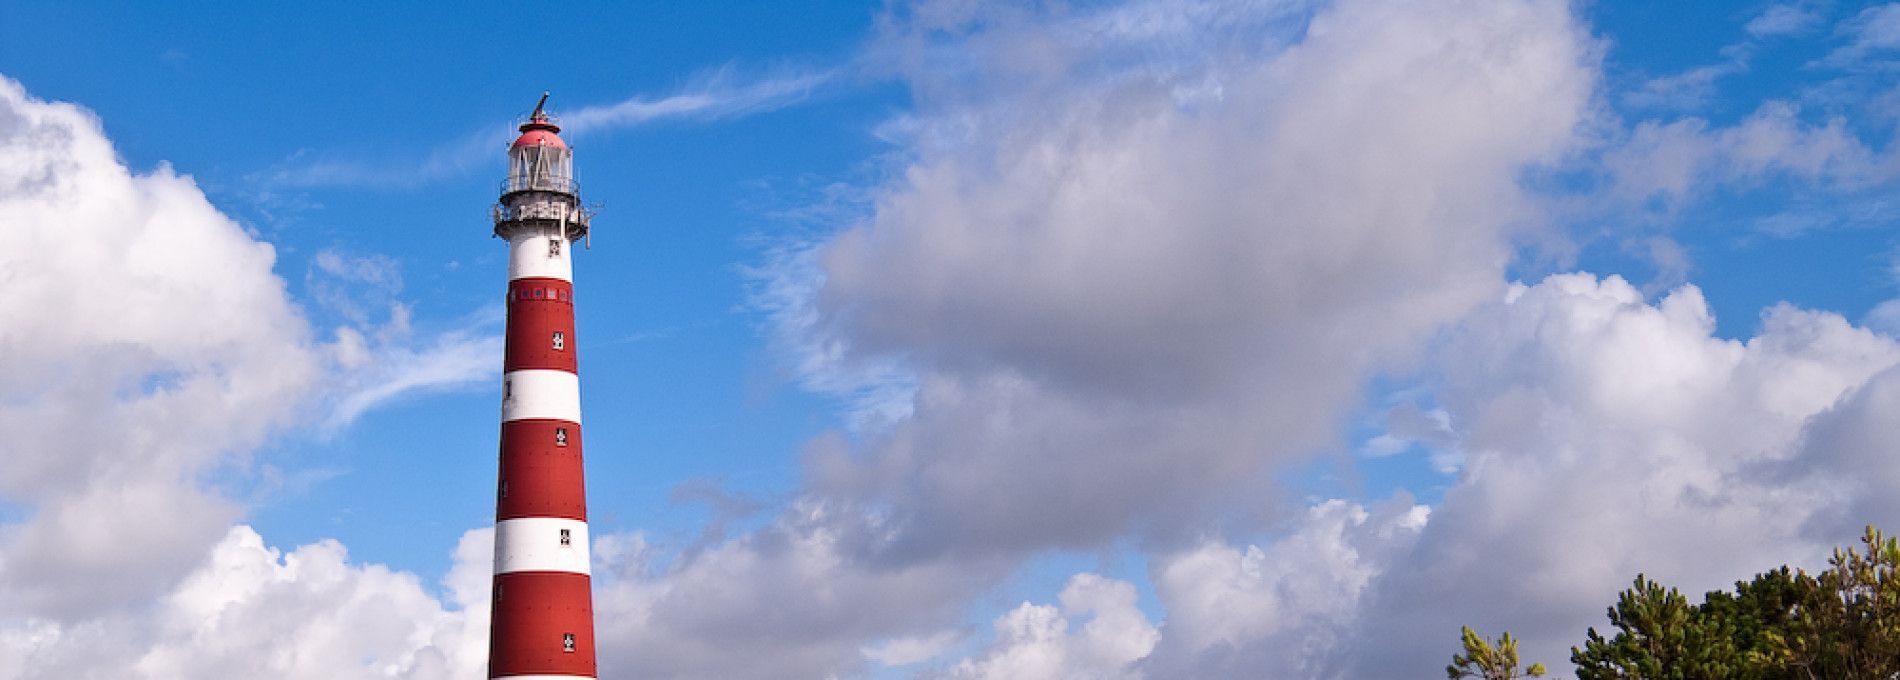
[507,390]
[567,537]
[497,592]
[560,436]
[560,340]
[554,247]
[567,642]
[504,488]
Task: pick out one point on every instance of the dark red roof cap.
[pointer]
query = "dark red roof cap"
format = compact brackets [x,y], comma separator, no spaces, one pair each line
[540,136]
[538,131]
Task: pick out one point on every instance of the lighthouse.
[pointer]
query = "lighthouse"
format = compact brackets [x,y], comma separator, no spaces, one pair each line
[542,627]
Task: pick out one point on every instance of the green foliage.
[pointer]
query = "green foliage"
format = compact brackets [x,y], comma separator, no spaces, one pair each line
[1844,623]
[1847,622]
[1661,636]
[1487,661]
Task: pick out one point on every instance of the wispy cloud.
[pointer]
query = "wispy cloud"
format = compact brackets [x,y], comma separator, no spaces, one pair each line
[1788,19]
[378,359]
[452,360]
[719,94]
[308,169]
[1872,33]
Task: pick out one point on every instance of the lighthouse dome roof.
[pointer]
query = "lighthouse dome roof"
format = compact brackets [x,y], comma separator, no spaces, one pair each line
[539,135]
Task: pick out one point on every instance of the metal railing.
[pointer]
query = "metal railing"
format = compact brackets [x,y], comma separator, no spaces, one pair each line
[553,211]
[563,185]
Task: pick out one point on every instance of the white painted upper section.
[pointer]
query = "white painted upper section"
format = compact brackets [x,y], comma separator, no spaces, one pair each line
[534,544]
[530,257]
[540,393]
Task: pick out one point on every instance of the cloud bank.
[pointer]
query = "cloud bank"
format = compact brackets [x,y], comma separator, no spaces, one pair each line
[1135,263]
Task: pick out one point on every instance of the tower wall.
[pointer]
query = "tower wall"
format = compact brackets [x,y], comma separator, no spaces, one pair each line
[542,625]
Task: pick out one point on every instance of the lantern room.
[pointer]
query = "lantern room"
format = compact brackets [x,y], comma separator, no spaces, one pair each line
[538,160]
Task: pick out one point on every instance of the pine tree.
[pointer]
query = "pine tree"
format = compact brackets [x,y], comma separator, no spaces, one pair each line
[1783,624]
[1487,661]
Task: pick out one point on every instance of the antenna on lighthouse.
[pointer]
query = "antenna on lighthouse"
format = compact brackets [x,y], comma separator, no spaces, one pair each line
[538,115]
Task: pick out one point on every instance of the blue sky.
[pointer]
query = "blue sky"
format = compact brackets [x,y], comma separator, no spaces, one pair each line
[946,340]
[690,358]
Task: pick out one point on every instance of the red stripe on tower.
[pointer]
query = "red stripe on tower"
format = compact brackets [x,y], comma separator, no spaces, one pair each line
[542,626]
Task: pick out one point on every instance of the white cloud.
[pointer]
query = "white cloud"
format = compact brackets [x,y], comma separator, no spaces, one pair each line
[1112,293]
[1689,89]
[1687,158]
[254,611]
[1607,436]
[905,651]
[1406,426]
[718,94]
[148,345]
[1288,606]
[248,610]
[802,596]
[1034,642]
[354,286]
[395,367]
[1120,303]
[878,389]
[1872,31]
[147,341]
[382,355]
[1783,19]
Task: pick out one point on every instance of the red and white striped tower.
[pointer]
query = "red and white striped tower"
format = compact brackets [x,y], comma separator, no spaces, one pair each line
[543,622]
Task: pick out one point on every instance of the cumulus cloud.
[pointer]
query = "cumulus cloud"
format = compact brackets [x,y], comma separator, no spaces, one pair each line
[1122,290]
[799,595]
[1289,605]
[1034,642]
[146,341]
[1607,436]
[793,595]
[249,610]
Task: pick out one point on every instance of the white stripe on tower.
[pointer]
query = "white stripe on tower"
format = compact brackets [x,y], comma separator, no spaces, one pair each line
[541,393]
[539,256]
[541,544]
